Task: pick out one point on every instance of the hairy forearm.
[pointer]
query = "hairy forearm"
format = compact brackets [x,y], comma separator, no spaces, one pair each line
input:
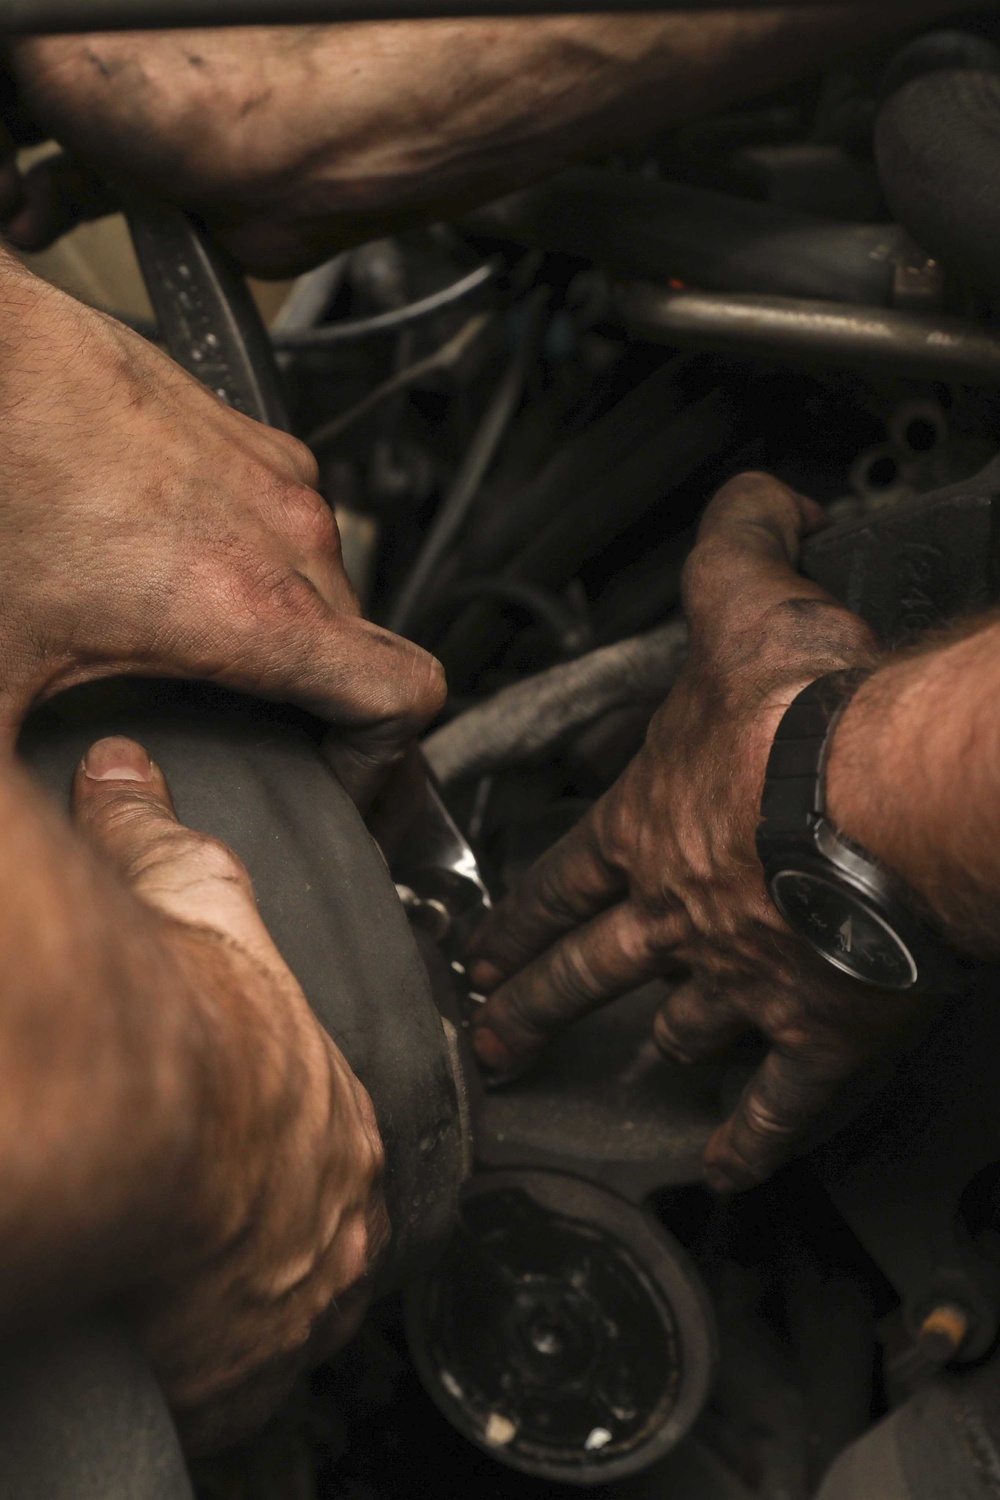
[295,140]
[914,776]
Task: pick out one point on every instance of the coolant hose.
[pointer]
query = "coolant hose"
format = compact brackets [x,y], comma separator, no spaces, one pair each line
[530,718]
[938,153]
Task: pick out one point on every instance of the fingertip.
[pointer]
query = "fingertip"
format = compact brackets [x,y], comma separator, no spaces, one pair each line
[483,975]
[493,1054]
[117,759]
[814,517]
[721,1172]
[116,765]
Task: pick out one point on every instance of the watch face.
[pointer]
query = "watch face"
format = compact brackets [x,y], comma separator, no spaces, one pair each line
[841,926]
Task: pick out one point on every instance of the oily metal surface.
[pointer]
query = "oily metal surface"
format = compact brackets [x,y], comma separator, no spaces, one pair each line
[605,1104]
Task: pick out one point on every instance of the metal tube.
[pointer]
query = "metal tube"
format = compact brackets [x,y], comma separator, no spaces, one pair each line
[818,333]
[19,17]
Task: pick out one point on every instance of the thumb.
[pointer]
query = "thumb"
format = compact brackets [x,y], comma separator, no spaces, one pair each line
[122,804]
[747,551]
[376,690]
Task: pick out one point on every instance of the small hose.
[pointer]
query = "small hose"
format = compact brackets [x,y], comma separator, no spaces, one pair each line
[411,600]
[527,720]
[350,330]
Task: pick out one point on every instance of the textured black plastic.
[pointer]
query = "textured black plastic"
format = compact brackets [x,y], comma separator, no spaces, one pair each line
[916,565]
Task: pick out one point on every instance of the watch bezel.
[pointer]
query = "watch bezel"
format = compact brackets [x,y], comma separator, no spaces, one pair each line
[825,856]
[850,894]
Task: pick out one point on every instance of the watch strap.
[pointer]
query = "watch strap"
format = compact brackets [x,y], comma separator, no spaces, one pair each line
[795,781]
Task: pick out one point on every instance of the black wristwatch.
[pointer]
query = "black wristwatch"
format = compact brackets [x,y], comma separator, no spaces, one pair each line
[841,900]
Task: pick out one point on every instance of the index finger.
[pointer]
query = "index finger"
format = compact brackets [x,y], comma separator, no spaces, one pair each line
[747,552]
[571,883]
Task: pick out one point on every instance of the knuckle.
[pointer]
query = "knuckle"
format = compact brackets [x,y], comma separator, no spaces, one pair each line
[311,523]
[806,622]
[756,487]
[430,686]
[216,860]
[571,973]
[414,684]
[263,591]
[550,900]
[300,459]
[700,569]
[668,1039]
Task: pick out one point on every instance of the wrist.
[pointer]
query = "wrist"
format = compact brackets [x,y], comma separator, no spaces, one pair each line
[890,755]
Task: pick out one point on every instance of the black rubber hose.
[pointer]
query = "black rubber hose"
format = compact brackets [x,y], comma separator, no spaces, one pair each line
[938,152]
[82,1418]
[644,229]
[522,509]
[602,510]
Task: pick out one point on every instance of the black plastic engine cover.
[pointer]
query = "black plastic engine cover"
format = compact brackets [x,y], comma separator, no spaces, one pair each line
[915,565]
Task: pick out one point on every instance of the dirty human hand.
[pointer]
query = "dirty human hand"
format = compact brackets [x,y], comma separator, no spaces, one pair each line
[662,875]
[292,141]
[188,1145]
[147,528]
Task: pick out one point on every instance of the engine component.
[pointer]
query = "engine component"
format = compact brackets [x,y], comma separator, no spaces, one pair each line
[565,1331]
[203,304]
[644,228]
[937,157]
[915,565]
[83,1419]
[941,1445]
[923,345]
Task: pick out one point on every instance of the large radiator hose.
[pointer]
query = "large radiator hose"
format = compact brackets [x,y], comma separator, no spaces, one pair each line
[938,152]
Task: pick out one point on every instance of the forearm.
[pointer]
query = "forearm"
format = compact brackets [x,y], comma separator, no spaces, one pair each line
[341,132]
[914,777]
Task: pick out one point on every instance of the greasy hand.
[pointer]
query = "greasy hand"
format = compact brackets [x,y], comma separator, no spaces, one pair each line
[147,528]
[264,1266]
[663,875]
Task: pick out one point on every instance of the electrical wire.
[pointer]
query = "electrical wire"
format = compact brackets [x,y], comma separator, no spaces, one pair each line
[479,457]
[443,359]
[351,329]
[568,631]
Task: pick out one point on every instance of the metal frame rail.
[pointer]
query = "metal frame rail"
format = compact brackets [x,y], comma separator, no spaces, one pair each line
[18,17]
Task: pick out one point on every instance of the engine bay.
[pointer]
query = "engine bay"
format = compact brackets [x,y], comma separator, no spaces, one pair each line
[519,418]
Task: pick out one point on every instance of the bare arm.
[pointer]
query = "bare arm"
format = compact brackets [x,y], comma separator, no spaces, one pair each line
[295,140]
[914,776]
[176,1130]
